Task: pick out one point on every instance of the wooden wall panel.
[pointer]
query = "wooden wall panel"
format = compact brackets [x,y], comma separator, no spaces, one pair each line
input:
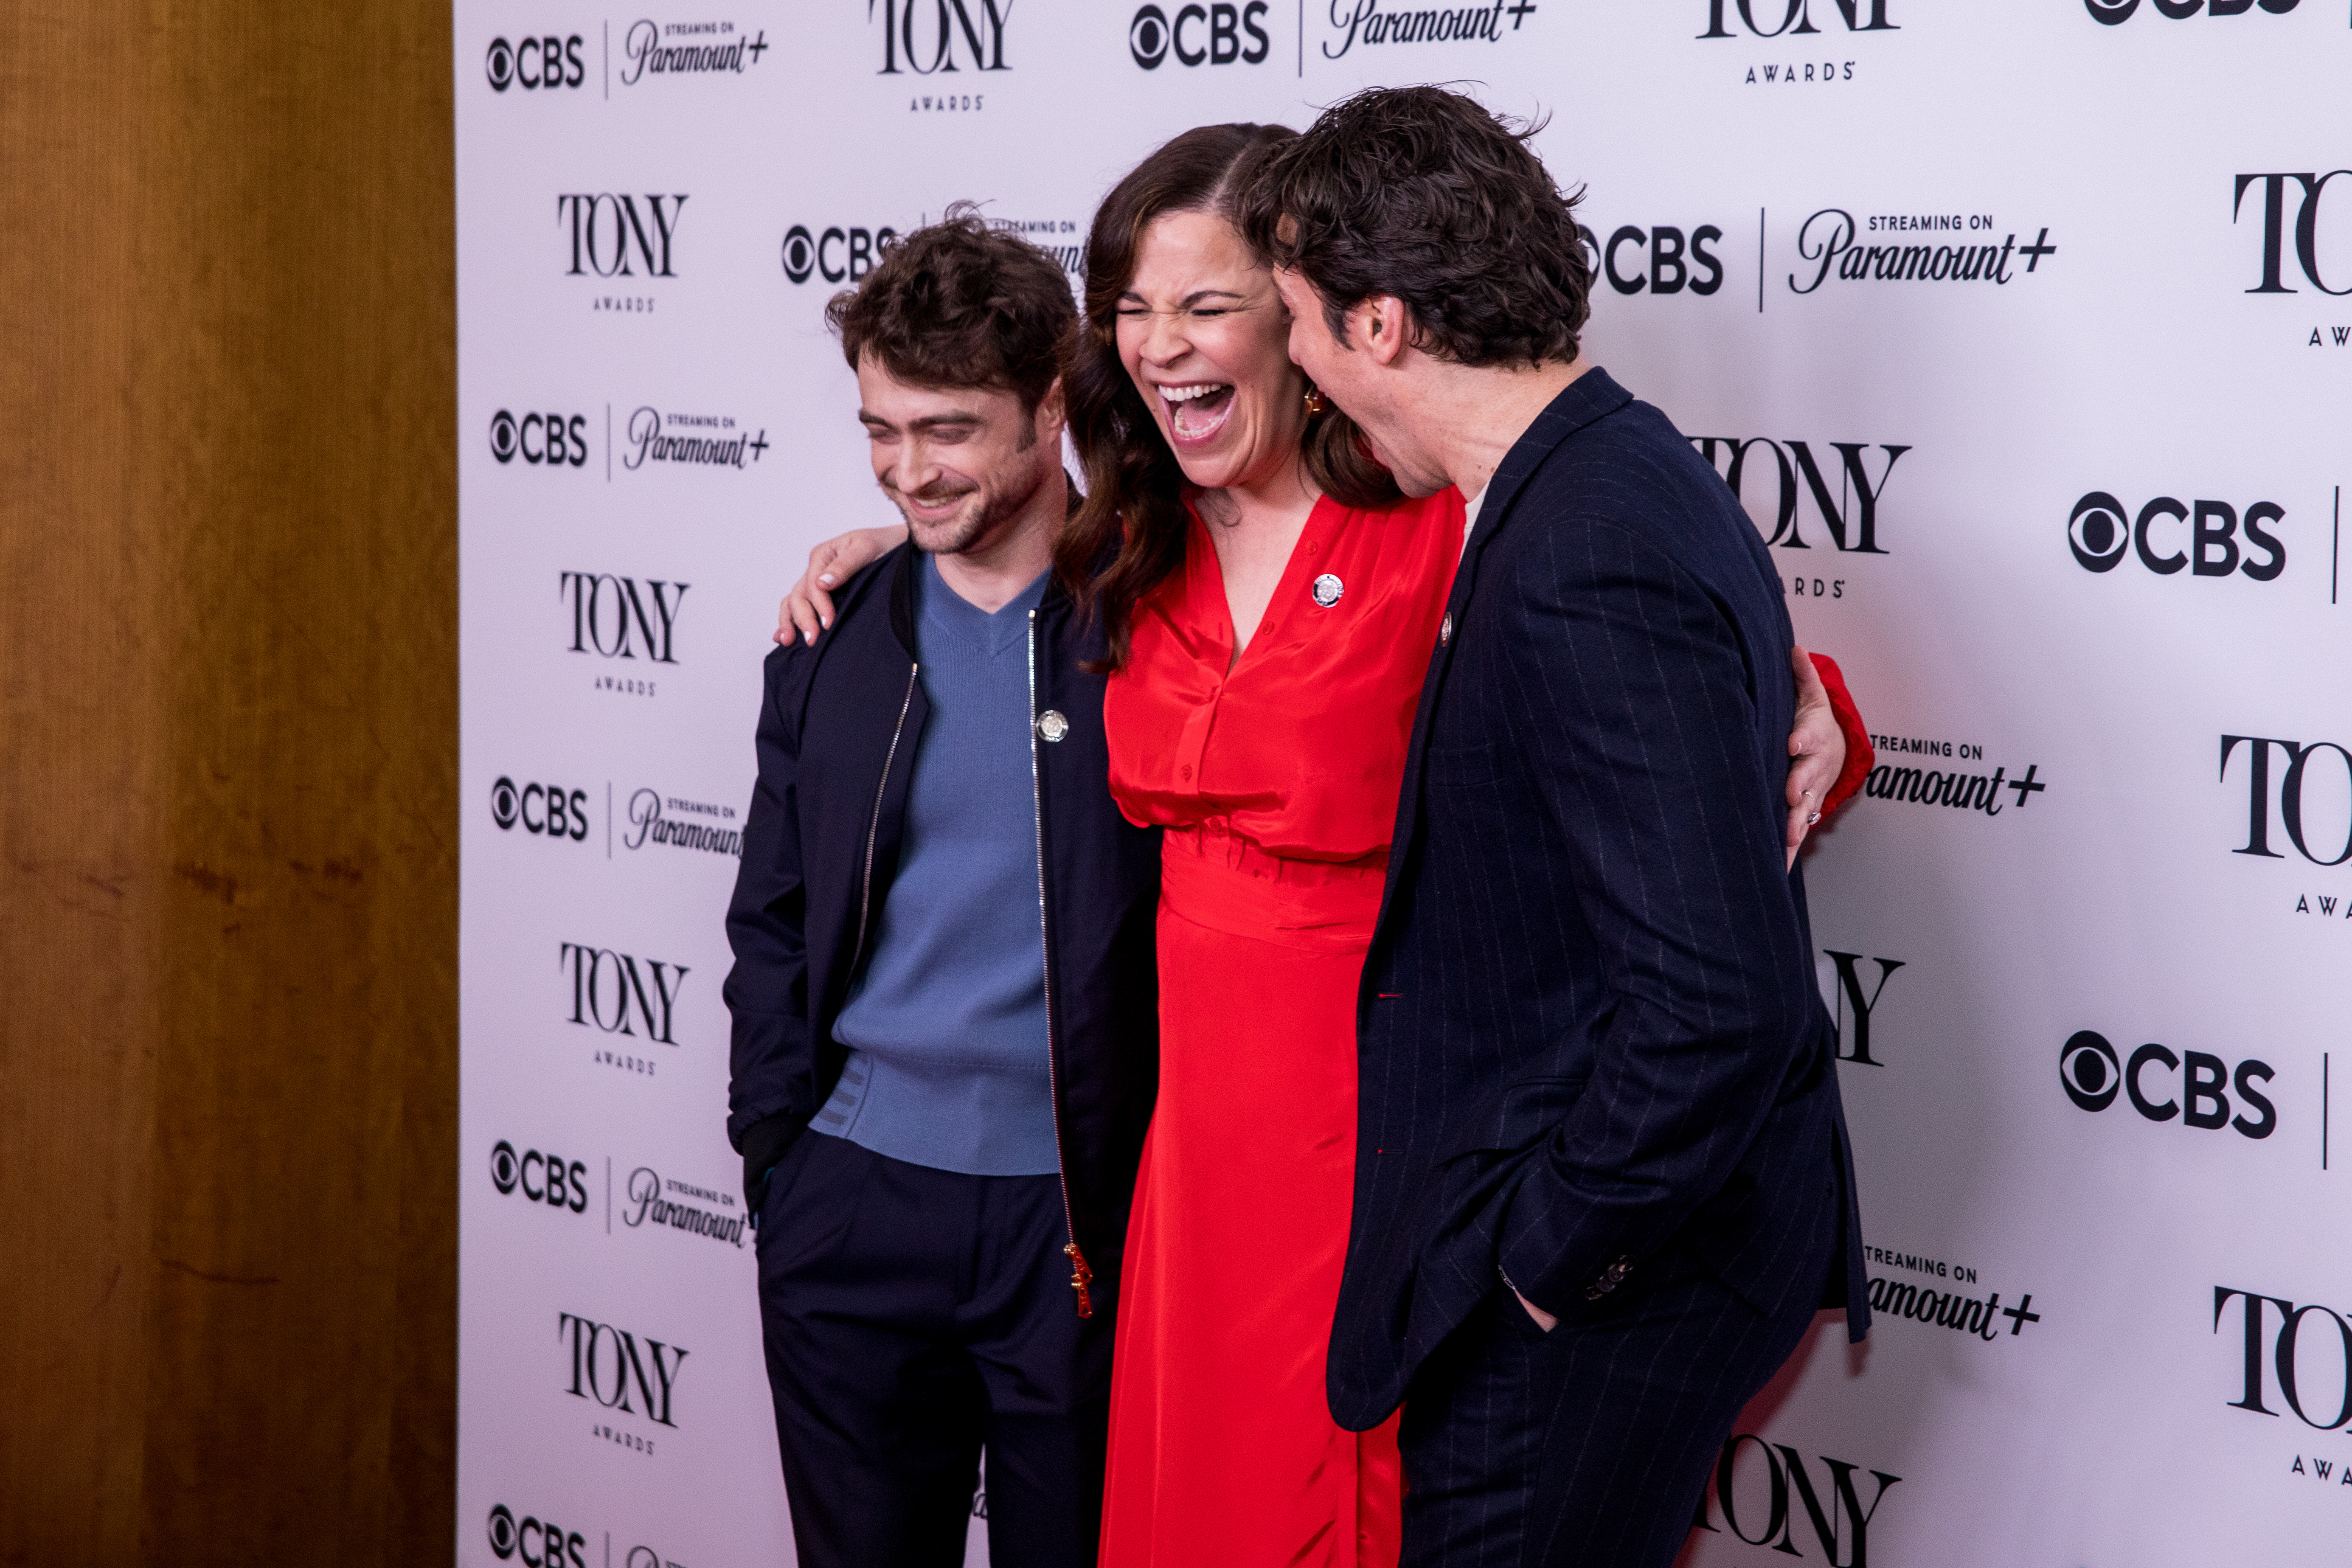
[227,565]
[77,665]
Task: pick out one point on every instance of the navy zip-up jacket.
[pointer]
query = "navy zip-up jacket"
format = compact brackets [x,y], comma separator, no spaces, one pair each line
[839,725]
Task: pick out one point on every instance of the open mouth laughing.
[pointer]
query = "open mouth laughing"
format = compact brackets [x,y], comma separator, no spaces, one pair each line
[1197,410]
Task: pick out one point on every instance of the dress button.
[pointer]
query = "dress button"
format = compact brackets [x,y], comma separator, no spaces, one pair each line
[1051,725]
[1446,629]
[1185,772]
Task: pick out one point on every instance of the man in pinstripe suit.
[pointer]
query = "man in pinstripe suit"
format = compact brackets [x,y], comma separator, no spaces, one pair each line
[1602,1184]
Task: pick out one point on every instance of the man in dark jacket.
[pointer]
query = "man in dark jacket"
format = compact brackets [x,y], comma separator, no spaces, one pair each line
[945,1018]
[1602,1182]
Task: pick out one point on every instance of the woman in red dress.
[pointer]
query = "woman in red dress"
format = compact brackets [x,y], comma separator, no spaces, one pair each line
[1271,609]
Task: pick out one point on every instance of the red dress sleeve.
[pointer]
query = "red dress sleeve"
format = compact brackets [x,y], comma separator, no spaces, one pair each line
[1858,754]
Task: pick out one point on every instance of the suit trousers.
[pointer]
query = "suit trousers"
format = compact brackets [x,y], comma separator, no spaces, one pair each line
[1586,1446]
[912,1318]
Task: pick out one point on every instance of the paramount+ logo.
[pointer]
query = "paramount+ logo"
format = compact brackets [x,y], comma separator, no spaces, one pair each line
[1411,24]
[647,825]
[2202,537]
[652,1202]
[536,65]
[1982,1319]
[687,49]
[693,440]
[1958,788]
[1831,244]
[1200,35]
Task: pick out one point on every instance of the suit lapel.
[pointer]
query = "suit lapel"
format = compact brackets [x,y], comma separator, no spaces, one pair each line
[1587,398]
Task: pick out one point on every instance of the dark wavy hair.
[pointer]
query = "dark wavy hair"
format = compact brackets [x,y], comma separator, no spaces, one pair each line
[1423,194]
[957,304]
[1134,486]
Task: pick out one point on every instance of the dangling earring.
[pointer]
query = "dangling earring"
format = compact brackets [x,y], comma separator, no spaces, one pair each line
[1315,403]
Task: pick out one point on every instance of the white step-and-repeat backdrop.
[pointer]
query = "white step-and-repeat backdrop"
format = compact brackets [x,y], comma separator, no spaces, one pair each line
[2025,334]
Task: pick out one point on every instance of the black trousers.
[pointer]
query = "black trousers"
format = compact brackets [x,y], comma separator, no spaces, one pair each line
[1588,1446]
[913,1317]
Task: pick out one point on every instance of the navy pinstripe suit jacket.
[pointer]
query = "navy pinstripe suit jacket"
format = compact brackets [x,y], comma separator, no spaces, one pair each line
[1589,1032]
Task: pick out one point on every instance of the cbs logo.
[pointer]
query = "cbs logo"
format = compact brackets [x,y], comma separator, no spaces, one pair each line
[1670,267]
[537,438]
[543,1178]
[547,1545]
[2093,1075]
[1152,36]
[836,255]
[535,63]
[2114,13]
[541,808]
[2099,537]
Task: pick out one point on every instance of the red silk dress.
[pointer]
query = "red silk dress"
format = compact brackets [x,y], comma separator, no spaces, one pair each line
[1278,785]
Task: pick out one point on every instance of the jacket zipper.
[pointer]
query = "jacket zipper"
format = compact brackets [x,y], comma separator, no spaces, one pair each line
[1081,1277]
[874,826]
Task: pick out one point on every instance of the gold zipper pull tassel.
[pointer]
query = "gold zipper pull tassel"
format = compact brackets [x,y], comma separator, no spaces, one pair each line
[1080,1277]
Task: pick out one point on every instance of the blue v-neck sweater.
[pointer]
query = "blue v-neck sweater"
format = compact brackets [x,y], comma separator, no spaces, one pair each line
[948,1063]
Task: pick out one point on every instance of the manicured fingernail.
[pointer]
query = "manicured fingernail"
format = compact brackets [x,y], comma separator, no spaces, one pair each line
[825,578]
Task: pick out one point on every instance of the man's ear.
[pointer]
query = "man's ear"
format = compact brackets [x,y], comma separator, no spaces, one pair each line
[1053,413]
[1381,320]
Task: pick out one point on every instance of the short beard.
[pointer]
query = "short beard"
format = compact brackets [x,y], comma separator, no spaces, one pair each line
[988,512]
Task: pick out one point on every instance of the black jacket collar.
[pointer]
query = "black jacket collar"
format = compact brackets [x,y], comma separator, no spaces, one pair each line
[1587,398]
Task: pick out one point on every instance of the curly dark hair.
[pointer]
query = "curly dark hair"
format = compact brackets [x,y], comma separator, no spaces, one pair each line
[957,304]
[1422,195]
[1134,486]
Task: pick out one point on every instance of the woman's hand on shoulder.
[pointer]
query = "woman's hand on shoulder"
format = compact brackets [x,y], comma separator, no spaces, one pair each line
[808,609]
